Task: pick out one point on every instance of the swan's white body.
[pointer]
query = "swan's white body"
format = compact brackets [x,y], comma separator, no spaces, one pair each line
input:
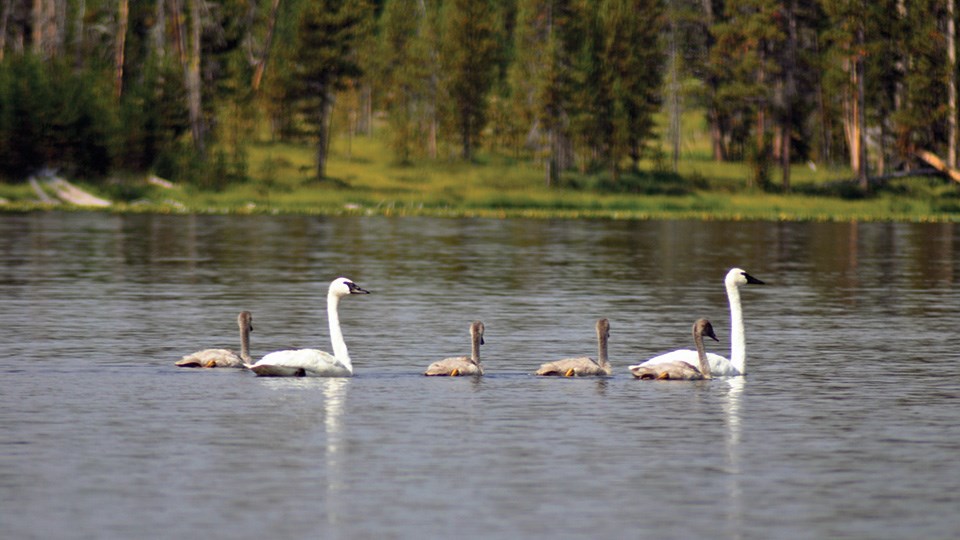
[583,366]
[313,362]
[720,366]
[224,358]
[462,365]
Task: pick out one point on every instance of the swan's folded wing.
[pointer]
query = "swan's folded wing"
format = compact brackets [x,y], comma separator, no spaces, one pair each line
[211,358]
[300,363]
[677,370]
[462,364]
[679,355]
[580,366]
[719,365]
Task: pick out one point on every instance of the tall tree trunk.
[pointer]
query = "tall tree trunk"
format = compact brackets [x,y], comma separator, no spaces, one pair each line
[861,111]
[432,116]
[44,31]
[123,15]
[466,129]
[158,34]
[267,45]
[762,107]
[365,120]
[323,134]
[951,86]
[4,18]
[674,89]
[713,115]
[78,52]
[825,133]
[192,79]
[60,27]
[789,93]
[552,167]
[851,114]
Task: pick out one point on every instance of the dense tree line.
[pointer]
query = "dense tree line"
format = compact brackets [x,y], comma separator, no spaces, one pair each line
[179,87]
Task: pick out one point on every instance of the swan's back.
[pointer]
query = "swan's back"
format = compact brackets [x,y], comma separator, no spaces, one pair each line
[675,370]
[301,363]
[719,366]
[211,358]
[573,367]
[458,365]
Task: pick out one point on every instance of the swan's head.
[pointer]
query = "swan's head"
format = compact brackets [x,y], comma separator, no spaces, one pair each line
[737,276]
[476,329]
[603,328]
[703,328]
[245,321]
[343,287]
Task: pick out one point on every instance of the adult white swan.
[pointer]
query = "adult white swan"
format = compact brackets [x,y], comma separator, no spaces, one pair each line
[462,365]
[720,366]
[680,369]
[219,358]
[311,362]
[583,366]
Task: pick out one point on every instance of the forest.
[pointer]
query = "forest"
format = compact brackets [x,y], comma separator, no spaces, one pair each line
[181,88]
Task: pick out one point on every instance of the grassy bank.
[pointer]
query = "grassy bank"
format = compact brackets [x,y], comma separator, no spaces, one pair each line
[364,181]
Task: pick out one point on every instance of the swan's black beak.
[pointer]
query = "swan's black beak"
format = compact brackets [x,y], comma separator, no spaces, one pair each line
[355,289]
[752,280]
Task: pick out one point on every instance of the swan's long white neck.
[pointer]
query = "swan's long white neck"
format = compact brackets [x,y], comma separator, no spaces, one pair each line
[336,336]
[738,341]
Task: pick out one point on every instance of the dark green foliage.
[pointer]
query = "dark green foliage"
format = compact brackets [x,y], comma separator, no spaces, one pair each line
[325,60]
[52,117]
[469,57]
[636,182]
[571,84]
[404,72]
[153,116]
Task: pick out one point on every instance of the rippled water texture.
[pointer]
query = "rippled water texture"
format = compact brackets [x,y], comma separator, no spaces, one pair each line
[848,424]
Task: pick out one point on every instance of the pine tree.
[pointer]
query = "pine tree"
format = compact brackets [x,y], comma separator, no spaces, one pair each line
[470,54]
[743,61]
[636,57]
[401,74]
[541,83]
[325,59]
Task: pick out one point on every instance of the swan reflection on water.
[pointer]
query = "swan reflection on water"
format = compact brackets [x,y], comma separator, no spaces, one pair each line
[334,391]
[335,395]
[732,418]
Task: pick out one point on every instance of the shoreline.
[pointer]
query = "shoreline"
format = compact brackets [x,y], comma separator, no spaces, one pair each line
[354,210]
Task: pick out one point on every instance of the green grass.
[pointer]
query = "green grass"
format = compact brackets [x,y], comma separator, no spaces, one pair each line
[368,181]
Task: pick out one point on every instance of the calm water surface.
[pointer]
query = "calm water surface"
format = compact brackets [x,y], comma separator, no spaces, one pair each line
[848,424]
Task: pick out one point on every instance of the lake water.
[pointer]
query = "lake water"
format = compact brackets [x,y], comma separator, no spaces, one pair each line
[847,426]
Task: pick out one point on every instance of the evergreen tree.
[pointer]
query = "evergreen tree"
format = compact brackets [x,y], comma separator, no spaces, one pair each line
[328,34]
[744,63]
[540,81]
[634,55]
[401,72]
[470,53]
